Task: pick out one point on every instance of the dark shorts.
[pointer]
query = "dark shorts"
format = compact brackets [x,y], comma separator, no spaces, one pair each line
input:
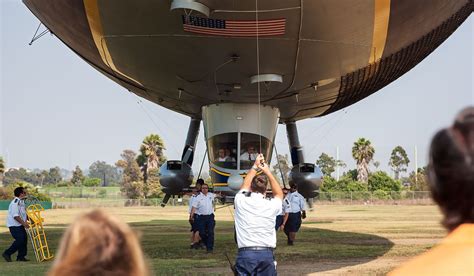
[293,223]
[261,262]
[279,222]
[194,224]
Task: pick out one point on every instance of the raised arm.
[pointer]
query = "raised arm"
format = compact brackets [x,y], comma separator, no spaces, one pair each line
[276,189]
[251,173]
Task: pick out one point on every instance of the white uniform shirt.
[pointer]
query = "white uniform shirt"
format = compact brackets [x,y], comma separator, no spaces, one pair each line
[191,200]
[255,219]
[248,156]
[225,159]
[297,202]
[204,204]
[286,206]
[16,209]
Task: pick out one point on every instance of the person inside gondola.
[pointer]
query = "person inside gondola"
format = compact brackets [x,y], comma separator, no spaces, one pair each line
[250,154]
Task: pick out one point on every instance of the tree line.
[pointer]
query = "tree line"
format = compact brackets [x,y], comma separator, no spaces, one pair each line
[138,173]
[100,174]
[361,178]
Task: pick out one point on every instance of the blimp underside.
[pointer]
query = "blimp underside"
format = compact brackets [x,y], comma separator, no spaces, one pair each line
[328,53]
[244,66]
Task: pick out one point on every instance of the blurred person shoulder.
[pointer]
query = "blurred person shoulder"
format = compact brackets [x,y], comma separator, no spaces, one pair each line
[453,256]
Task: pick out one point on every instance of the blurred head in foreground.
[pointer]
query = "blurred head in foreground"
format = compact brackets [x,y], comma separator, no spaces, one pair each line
[451,170]
[451,180]
[99,244]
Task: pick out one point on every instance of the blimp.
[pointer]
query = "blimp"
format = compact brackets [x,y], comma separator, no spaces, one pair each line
[242,67]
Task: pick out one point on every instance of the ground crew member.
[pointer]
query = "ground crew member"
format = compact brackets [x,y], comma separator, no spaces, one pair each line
[196,241]
[282,218]
[297,212]
[203,206]
[16,223]
[255,218]
[194,229]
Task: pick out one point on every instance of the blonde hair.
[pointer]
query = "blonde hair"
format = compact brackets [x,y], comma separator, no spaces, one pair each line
[99,244]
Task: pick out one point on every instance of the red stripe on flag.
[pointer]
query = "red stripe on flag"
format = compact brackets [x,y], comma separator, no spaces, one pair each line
[252,27]
[233,31]
[242,28]
[224,33]
[237,34]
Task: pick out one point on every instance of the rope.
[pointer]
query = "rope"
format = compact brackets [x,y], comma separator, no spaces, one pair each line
[202,164]
[35,37]
[141,105]
[258,83]
[279,166]
[224,206]
[215,74]
[336,123]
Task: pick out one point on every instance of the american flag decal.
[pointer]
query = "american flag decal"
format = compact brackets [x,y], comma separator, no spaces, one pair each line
[233,28]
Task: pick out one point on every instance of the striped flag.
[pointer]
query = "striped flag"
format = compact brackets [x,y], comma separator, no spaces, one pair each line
[234,28]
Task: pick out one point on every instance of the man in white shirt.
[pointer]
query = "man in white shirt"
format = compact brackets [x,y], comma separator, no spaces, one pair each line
[297,212]
[249,155]
[203,207]
[255,221]
[16,223]
[282,218]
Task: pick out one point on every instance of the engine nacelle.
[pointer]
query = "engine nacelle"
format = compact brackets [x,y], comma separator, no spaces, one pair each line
[308,177]
[175,176]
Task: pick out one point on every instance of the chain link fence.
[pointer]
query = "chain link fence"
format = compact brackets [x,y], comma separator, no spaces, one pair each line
[83,192]
[356,198]
[65,203]
[377,197]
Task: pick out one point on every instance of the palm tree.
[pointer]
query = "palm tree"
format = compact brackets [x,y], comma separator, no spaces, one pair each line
[2,169]
[363,152]
[153,149]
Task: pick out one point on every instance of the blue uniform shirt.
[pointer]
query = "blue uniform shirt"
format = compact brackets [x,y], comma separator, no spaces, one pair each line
[297,202]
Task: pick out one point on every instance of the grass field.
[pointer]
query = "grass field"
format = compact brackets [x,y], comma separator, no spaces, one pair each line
[334,240]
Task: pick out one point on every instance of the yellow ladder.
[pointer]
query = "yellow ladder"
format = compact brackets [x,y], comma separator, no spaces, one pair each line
[36,233]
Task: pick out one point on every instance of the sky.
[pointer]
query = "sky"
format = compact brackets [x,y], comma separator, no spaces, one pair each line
[56,110]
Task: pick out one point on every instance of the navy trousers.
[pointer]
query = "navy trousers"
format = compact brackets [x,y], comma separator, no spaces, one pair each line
[206,225]
[255,262]
[278,222]
[19,234]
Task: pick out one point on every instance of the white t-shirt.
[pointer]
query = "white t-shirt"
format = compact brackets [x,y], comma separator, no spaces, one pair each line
[191,199]
[16,209]
[225,159]
[297,202]
[204,204]
[255,219]
[221,159]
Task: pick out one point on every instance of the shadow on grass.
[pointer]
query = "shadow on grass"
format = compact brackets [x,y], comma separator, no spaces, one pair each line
[169,240]
[166,244]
